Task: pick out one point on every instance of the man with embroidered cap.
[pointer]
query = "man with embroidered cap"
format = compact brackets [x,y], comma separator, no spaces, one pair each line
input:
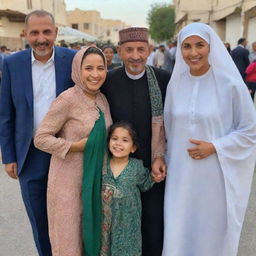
[135,93]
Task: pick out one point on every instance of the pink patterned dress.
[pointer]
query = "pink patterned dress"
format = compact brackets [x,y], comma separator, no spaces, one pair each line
[70,118]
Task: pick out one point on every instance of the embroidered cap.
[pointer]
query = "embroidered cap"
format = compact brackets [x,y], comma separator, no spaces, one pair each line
[133,34]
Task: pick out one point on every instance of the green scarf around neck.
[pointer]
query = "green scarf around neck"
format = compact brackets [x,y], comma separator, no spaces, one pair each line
[158,134]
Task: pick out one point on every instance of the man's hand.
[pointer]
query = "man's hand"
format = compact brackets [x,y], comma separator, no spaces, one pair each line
[202,149]
[11,170]
[158,169]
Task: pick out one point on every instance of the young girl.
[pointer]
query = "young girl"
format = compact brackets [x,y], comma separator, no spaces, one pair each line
[123,180]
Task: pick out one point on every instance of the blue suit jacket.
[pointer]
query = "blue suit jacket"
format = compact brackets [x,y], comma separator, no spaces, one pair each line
[16,102]
[240,56]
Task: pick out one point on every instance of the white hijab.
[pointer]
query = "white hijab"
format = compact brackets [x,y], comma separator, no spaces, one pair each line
[219,58]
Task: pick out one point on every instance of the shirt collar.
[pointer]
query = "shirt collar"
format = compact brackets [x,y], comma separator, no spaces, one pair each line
[135,77]
[33,59]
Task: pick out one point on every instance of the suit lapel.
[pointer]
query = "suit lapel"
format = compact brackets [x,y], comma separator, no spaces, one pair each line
[27,75]
[60,70]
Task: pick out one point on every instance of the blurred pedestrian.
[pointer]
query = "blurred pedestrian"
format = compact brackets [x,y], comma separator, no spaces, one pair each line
[252,55]
[228,47]
[159,56]
[169,56]
[251,78]
[150,59]
[109,51]
[240,56]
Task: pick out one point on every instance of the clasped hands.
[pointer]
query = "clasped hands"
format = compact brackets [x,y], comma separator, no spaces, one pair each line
[158,171]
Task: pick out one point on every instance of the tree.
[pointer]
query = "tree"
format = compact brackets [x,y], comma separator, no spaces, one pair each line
[161,22]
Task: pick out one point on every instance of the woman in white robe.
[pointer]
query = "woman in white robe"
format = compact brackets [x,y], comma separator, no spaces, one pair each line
[210,124]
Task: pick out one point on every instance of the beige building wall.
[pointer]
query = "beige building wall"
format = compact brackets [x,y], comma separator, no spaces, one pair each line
[90,22]
[112,28]
[56,7]
[252,30]
[11,27]
[231,19]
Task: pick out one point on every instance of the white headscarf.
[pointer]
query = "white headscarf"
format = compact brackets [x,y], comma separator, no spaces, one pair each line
[219,58]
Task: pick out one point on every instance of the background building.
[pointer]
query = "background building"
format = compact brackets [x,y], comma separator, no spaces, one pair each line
[90,22]
[13,13]
[231,19]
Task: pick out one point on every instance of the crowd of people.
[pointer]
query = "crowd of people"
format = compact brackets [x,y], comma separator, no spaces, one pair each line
[154,157]
[163,57]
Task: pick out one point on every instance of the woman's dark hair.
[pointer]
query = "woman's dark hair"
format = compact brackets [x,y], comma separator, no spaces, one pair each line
[108,46]
[94,50]
[126,125]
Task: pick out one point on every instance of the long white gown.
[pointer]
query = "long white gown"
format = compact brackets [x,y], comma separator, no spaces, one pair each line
[205,200]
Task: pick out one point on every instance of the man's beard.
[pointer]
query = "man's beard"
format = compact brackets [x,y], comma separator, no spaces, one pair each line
[43,52]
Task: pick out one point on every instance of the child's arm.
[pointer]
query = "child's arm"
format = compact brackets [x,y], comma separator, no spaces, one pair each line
[144,179]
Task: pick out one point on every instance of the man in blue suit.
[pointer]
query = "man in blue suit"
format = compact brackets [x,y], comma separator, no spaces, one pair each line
[240,56]
[31,81]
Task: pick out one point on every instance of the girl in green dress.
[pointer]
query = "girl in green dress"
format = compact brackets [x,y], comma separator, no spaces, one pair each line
[124,178]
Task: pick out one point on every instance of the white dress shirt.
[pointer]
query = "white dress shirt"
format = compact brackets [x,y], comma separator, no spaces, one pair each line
[44,87]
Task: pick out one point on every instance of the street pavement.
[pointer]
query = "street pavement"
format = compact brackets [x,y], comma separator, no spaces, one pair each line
[15,231]
[16,237]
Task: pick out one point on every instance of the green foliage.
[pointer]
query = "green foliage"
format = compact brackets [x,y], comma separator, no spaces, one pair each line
[161,22]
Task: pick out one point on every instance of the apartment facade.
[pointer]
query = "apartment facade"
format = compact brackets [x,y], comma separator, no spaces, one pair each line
[231,19]
[13,13]
[90,22]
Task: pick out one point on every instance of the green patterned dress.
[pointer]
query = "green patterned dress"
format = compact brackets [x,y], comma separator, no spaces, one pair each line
[121,227]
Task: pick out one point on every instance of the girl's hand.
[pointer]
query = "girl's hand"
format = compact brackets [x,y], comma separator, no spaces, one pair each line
[78,146]
[158,169]
[202,149]
[157,178]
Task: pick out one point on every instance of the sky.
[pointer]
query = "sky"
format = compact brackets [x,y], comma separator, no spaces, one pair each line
[132,12]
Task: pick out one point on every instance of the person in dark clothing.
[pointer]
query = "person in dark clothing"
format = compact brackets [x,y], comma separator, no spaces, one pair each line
[240,56]
[136,93]
[109,52]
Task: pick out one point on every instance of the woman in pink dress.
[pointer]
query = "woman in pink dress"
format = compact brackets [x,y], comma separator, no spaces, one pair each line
[73,131]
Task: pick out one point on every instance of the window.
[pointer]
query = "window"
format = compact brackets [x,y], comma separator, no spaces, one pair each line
[75,26]
[86,26]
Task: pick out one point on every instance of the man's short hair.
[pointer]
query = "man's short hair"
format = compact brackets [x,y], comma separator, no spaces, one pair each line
[241,40]
[3,48]
[39,13]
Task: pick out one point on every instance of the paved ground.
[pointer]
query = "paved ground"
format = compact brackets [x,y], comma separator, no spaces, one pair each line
[15,231]
[247,245]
